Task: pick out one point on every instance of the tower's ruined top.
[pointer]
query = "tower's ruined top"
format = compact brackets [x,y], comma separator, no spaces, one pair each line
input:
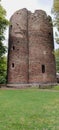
[23,18]
[37,13]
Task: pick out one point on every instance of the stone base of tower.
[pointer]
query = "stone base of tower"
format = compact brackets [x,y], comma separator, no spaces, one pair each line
[32,85]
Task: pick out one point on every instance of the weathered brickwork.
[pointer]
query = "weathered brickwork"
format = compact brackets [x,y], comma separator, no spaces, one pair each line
[30,55]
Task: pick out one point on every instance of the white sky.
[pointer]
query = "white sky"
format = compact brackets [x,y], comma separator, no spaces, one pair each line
[13,5]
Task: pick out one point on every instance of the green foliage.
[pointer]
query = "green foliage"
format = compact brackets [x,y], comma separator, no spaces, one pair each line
[3,24]
[2,50]
[55,11]
[30,109]
[56,88]
[3,70]
[57,59]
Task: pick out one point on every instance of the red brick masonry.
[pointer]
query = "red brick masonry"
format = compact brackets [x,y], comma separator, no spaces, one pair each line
[30,53]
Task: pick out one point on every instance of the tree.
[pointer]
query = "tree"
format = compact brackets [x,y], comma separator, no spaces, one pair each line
[3,69]
[3,24]
[57,60]
[55,11]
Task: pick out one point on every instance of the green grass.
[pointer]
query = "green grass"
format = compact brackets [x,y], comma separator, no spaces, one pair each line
[29,109]
[55,87]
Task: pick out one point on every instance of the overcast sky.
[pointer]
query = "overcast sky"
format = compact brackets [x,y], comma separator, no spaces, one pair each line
[12,5]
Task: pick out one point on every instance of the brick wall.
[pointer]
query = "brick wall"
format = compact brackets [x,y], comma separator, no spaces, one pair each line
[30,55]
[18,48]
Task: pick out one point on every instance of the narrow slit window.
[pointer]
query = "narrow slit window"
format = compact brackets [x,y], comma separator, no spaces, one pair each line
[50,33]
[13,47]
[43,68]
[11,26]
[12,65]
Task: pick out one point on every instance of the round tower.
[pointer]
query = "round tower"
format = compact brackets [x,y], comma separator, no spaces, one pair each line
[31,48]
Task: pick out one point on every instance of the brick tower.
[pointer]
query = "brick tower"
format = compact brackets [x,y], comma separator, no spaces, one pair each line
[30,54]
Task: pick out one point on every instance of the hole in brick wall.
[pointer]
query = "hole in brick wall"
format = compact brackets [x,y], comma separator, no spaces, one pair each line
[43,68]
[18,49]
[18,13]
[12,65]
[11,26]
[13,47]
[17,41]
[17,24]
[49,33]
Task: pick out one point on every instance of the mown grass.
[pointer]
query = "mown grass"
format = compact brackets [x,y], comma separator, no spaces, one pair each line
[29,109]
[55,87]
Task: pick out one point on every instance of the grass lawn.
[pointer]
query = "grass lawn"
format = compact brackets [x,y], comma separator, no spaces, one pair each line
[29,109]
[56,87]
